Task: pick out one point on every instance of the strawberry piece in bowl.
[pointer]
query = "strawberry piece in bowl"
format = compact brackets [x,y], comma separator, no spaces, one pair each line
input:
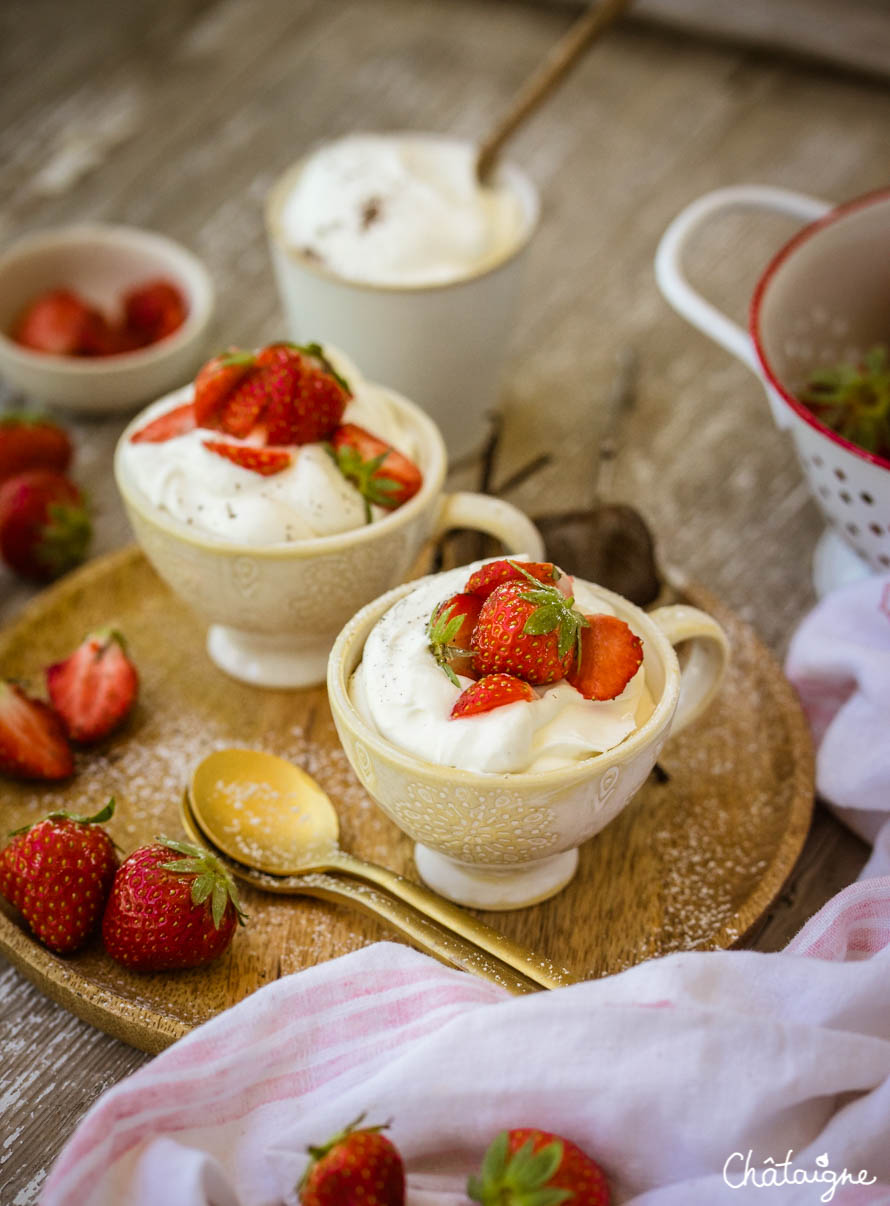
[152,311]
[529,630]
[265,461]
[167,426]
[58,874]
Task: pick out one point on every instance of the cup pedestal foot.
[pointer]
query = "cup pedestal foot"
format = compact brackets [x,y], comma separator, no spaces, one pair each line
[496,888]
[267,660]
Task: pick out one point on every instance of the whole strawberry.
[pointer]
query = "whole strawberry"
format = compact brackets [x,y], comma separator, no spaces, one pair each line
[172,905]
[44,526]
[528,1167]
[359,1165]
[58,874]
[528,629]
[95,687]
[29,442]
[306,394]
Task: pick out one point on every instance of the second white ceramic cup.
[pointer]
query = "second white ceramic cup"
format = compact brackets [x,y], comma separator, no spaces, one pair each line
[442,345]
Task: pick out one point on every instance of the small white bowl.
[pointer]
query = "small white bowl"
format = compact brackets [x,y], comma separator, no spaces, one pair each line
[102,262]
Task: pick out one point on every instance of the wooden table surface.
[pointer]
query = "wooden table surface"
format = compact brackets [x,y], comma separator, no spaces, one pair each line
[179,117]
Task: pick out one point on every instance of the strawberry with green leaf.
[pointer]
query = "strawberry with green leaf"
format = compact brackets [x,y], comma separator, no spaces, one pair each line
[854,400]
[450,634]
[530,1167]
[528,629]
[357,1166]
[172,905]
[382,475]
[44,524]
[58,874]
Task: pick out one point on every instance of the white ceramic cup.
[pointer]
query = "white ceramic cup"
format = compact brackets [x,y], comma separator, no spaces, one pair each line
[443,345]
[275,609]
[504,841]
[823,299]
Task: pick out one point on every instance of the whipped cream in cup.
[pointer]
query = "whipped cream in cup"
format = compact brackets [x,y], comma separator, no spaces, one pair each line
[401,691]
[494,838]
[311,498]
[400,210]
[386,245]
[275,599]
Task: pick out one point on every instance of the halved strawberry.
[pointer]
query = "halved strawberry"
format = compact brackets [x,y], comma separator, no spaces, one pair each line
[215,382]
[493,691]
[33,744]
[153,311]
[307,394]
[611,655]
[450,630]
[381,475]
[95,687]
[483,581]
[168,426]
[266,461]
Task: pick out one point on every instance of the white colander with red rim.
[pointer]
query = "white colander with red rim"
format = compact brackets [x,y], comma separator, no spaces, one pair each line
[823,299]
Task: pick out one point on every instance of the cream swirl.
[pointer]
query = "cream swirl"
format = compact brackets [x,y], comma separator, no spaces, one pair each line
[402,693]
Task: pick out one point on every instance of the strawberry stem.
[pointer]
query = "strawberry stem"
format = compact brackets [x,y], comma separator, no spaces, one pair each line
[98,818]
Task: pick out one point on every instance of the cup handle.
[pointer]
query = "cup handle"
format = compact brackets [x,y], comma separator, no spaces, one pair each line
[688,301]
[705,666]
[497,518]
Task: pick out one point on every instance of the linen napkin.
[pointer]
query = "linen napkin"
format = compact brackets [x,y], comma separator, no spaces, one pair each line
[680,1076]
[839,662]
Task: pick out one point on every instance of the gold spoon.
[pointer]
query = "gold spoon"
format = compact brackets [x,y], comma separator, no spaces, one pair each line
[268,814]
[423,933]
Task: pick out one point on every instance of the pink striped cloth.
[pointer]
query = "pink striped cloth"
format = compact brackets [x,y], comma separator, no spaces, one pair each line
[695,1079]
[670,1074]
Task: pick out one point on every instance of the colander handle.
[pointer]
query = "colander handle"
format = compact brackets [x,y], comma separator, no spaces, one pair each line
[668,258]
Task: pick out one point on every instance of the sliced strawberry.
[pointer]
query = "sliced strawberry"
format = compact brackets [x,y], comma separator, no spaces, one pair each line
[95,687]
[168,426]
[307,395]
[493,691]
[44,524]
[611,655]
[153,310]
[215,382]
[59,322]
[450,630]
[33,744]
[381,475]
[29,442]
[483,581]
[266,461]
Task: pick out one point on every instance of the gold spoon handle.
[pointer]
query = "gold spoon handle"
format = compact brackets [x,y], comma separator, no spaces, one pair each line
[537,967]
[419,929]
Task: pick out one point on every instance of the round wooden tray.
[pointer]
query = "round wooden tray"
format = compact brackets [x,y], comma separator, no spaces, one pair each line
[690,864]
